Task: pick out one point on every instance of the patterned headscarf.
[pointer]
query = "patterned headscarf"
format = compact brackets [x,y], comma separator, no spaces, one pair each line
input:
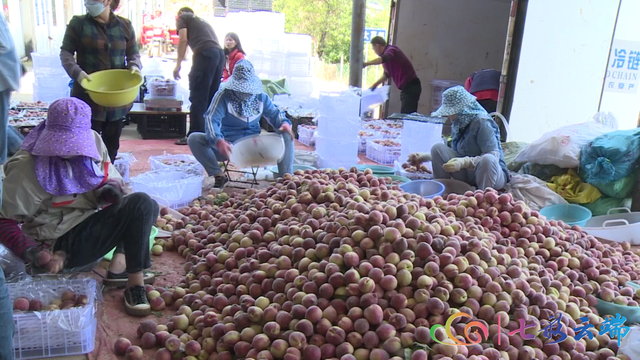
[244,88]
[458,101]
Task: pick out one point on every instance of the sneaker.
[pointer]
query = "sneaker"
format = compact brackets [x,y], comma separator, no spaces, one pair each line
[182,141]
[220,181]
[136,302]
[118,280]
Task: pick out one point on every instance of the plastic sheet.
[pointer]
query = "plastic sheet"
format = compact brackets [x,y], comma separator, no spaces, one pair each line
[57,332]
[13,267]
[533,191]
[630,344]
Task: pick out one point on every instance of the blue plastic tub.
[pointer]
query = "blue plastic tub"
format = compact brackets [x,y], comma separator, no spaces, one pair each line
[571,214]
[425,188]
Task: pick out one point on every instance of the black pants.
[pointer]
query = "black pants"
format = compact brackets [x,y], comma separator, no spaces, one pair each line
[204,81]
[410,96]
[489,105]
[126,228]
[110,132]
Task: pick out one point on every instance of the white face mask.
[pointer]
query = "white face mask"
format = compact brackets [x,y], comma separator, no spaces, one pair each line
[94,8]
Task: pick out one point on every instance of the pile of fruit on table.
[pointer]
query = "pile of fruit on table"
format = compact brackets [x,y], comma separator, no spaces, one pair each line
[335,264]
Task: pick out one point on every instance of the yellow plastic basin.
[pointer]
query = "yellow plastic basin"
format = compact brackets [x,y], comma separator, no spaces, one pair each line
[113,88]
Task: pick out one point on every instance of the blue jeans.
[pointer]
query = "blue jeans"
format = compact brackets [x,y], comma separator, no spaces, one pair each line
[6,319]
[208,155]
[5,99]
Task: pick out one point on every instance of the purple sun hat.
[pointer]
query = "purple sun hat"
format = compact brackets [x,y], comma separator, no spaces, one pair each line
[66,132]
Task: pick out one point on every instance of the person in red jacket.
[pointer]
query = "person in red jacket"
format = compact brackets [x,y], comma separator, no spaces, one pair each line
[234,52]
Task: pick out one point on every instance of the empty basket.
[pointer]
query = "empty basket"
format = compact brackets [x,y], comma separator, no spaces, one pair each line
[178,188]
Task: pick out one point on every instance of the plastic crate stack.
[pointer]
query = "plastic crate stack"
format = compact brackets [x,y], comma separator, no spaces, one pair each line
[338,126]
[437,88]
[299,64]
[51,81]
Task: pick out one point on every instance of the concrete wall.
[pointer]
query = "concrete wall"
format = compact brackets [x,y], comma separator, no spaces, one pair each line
[449,40]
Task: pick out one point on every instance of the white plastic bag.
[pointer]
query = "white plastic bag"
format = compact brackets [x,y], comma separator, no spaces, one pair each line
[533,191]
[630,344]
[562,147]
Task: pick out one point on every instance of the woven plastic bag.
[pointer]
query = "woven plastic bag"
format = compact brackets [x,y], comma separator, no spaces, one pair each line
[605,203]
[562,147]
[611,156]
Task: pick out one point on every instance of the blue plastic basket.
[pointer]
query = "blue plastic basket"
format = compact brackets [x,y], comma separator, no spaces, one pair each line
[425,188]
[571,214]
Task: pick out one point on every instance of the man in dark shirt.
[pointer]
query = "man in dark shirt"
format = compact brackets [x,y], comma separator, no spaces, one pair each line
[206,68]
[485,86]
[399,69]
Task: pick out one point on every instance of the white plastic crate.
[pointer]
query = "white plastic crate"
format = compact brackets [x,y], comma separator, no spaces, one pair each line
[45,61]
[177,188]
[437,88]
[54,333]
[338,127]
[300,86]
[266,45]
[384,155]
[298,44]
[336,149]
[363,137]
[345,104]
[298,65]
[306,135]
[178,162]
[419,137]
[389,133]
[346,163]
[272,64]
[163,88]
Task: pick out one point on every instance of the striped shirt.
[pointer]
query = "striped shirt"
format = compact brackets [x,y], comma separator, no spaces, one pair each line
[13,238]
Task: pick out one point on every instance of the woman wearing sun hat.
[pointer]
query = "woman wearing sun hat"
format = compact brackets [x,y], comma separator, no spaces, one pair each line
[62,188]
[475,155]
[234,114]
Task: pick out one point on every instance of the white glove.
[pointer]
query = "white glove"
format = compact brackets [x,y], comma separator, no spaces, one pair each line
[83,75]
[457,164]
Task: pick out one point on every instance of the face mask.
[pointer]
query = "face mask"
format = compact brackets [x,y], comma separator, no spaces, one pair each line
[94,8]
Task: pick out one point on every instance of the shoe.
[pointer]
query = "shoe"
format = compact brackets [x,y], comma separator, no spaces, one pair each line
[182,141]
[136,302]
[220,181]
[118,280]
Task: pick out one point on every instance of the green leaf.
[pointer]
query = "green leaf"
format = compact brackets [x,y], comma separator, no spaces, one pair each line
[407,354]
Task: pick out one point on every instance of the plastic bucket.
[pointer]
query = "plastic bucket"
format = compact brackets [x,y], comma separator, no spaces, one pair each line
[571,214]
[152,237]
[378,170]
[425,188]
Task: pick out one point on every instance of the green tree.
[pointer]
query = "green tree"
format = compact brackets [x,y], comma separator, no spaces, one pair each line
[329,23]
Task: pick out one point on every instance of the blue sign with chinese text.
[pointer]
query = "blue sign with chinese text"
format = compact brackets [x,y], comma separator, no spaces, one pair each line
[371,33]
[623,71]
